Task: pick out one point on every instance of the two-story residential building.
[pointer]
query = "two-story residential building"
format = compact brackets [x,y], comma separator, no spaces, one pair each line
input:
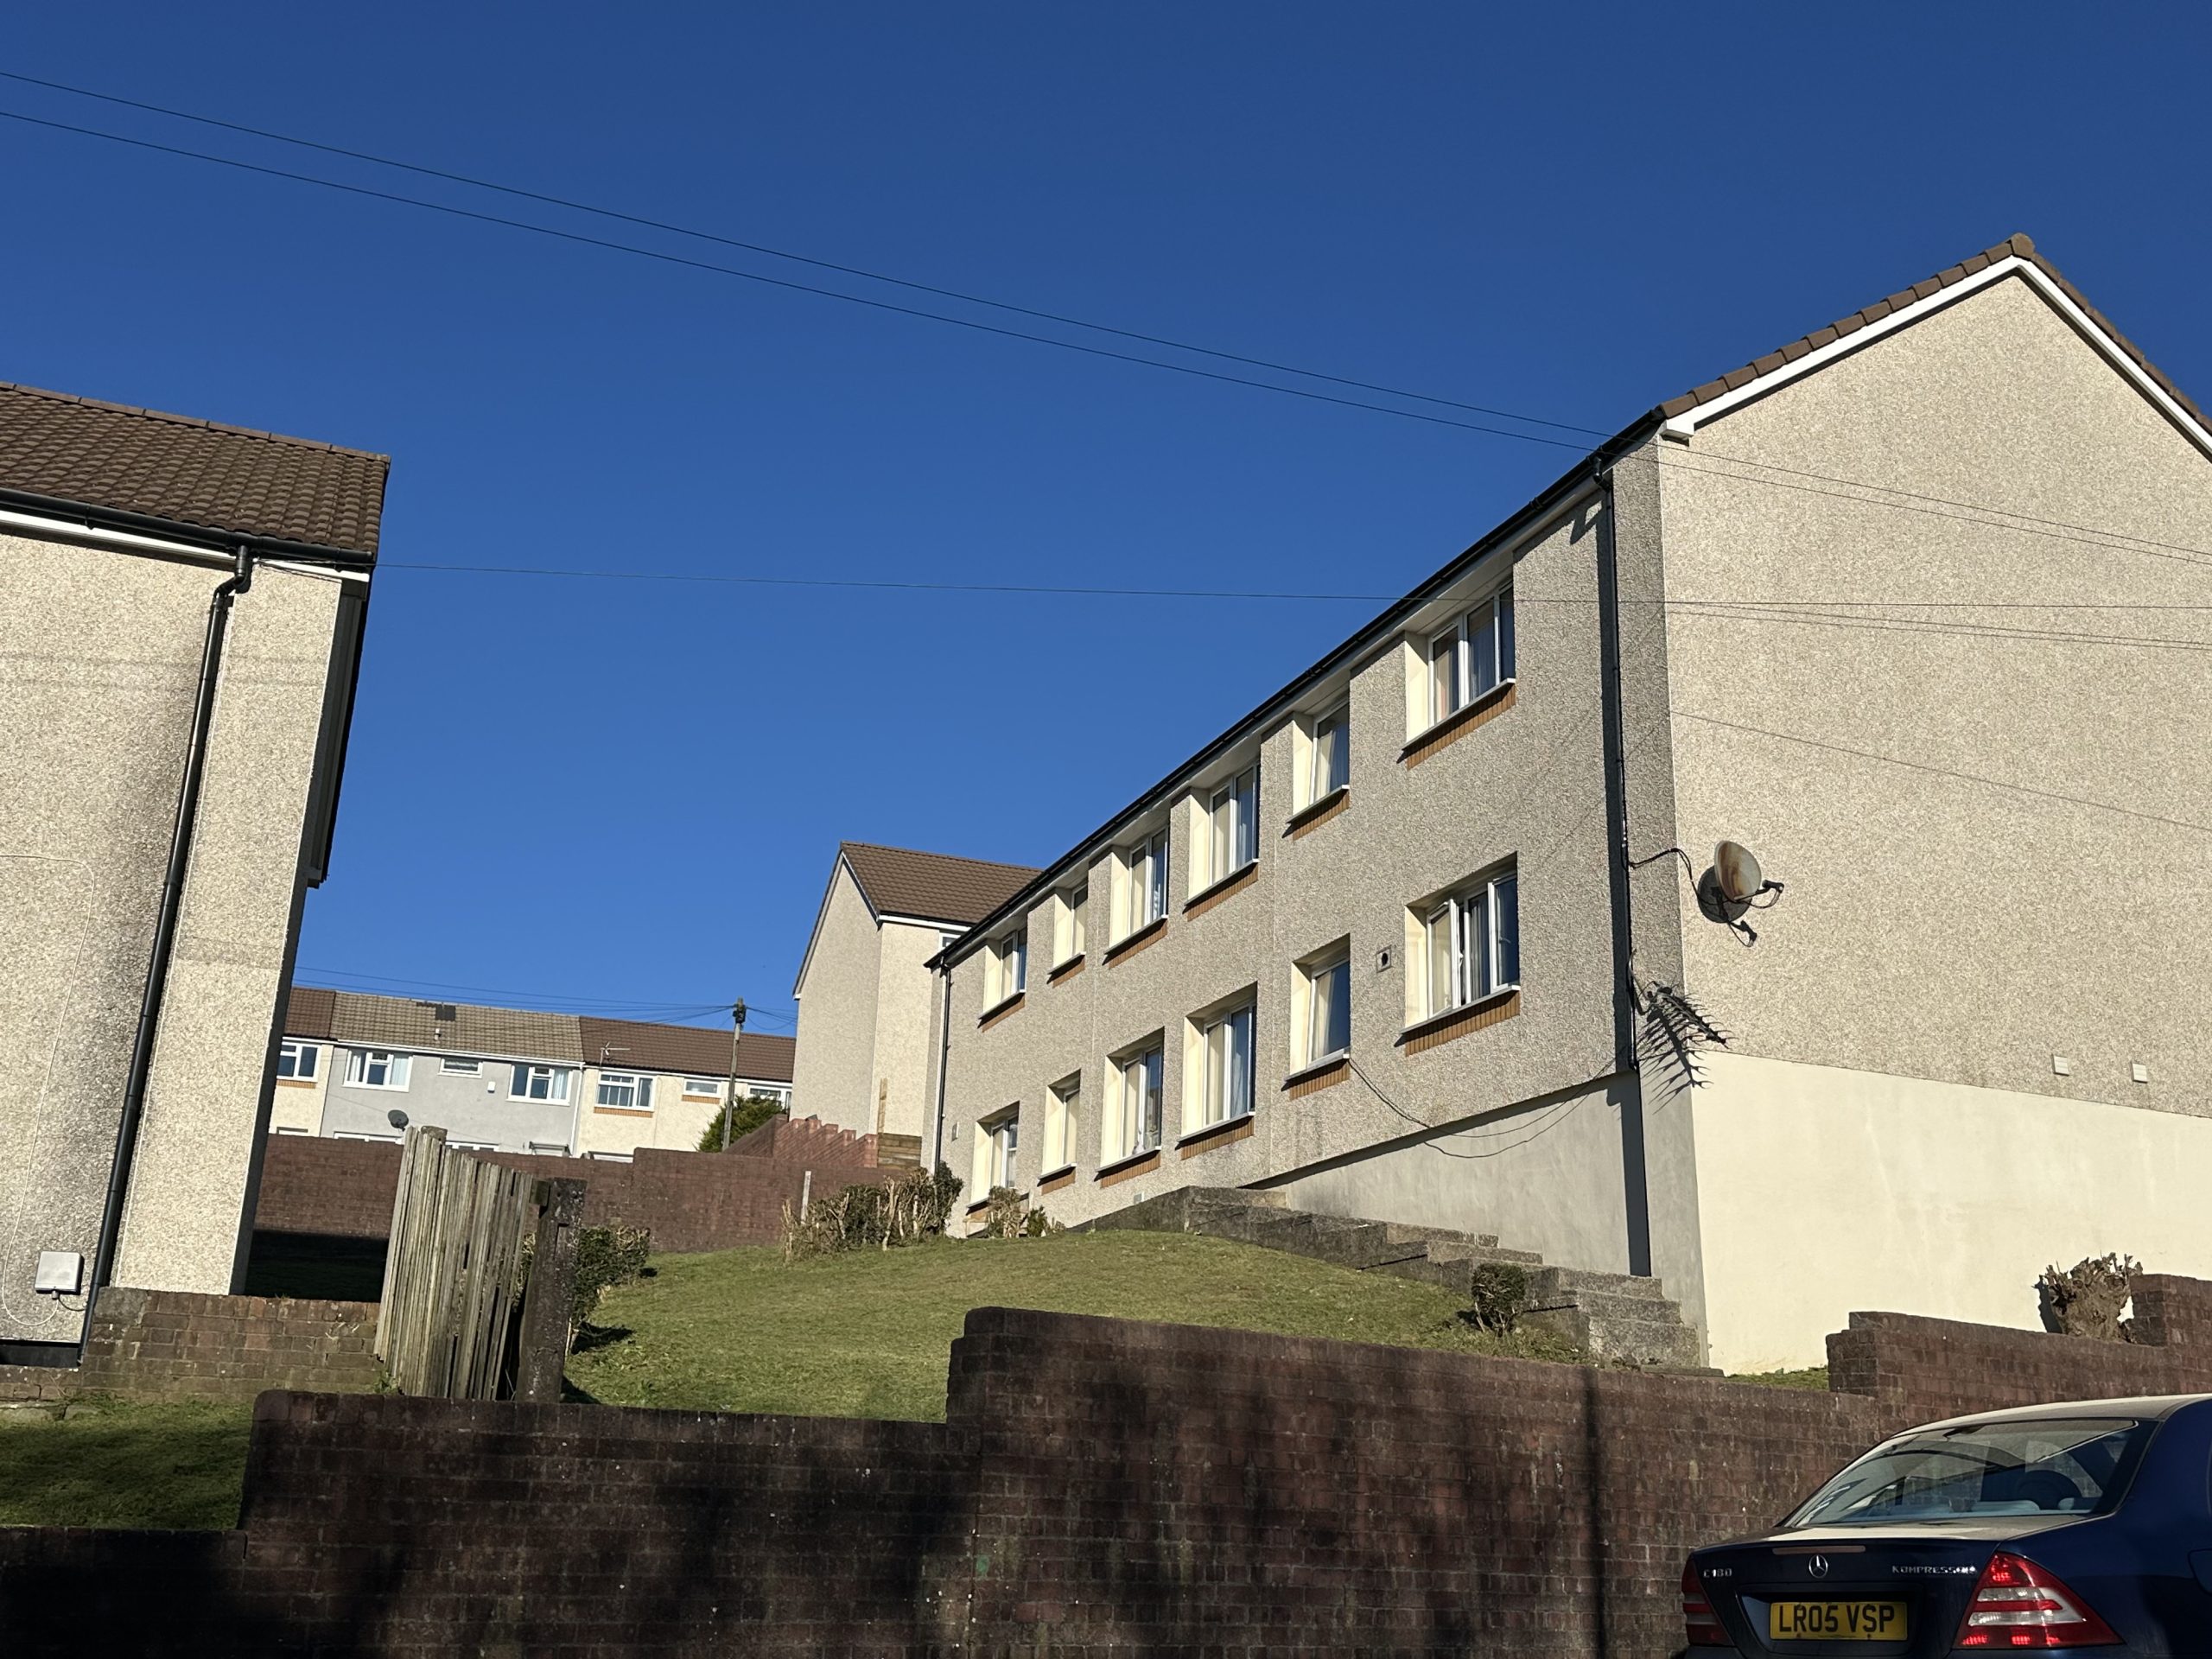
[1913,608]
[866,997]
[180,636]
[355,1066]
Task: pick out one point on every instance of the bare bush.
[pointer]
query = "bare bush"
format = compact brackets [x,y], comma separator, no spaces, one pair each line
[2088,1299]
[906,1209]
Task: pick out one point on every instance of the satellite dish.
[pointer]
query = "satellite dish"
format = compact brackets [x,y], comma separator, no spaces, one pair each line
[1736,872]
[396,1118]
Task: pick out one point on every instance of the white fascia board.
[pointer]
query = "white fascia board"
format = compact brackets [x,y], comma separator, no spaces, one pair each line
[887,919]
[1683,425]
[116,541]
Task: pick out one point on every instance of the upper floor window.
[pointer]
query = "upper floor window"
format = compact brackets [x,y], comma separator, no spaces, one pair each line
[1329,755]
[630,1090]
[778,1092]
[1473,941]
[1068,908]
[1001,1142]
[1232,839]
[702,1088]
[298,1060]
[546,1082]
[1324,1008]
[1473,657]
[1225,1065]
[1140,885]
[1061,1102]
[1005,967]
[459,1068]
[1132,1121]
[377,1068]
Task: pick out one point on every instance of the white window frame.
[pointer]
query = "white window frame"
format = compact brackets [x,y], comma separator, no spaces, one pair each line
[704,1087]
[1141,884]
[1231,842]
[1063,1103]
[778,1092]
[1314,1009]
[1004,1140]
[304,1058]
[1327,767]
[1476,930]
[559,1084]
[1137,1121]
[1069,907]
[361,1062]
[1005,967]
[449,1066]
[1456,674]
[625,1091]
[1227,1077]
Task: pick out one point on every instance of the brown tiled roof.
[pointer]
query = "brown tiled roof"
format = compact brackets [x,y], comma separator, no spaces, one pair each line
[307,1012]
[2012,246]
[189,472]
[407,1023]
[694,1051]
[935,887]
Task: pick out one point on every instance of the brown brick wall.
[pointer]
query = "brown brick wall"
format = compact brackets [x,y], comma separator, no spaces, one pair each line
[1100,1487]
[688,1200]
[170,1345]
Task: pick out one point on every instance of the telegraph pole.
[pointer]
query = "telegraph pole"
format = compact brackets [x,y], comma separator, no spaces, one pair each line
[729,1094]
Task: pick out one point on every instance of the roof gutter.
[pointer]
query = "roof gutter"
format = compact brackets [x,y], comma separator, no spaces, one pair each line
[116,527]
[1581,479]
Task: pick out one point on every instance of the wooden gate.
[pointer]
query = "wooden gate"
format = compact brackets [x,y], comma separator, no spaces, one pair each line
[453,1271]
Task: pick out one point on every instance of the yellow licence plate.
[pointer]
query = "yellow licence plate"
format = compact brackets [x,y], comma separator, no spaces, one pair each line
[1835,1621]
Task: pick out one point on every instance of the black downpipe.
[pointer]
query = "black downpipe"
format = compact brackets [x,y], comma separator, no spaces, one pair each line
[944,1063]
[165,926]
[1634,1177]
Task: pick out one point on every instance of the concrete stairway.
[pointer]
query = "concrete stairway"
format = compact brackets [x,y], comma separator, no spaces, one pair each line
[1612,1317]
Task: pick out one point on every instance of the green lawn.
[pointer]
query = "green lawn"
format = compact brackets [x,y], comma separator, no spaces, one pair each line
[113,1463]
[866,1335]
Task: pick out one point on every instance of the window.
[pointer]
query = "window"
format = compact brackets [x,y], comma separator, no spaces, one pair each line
[628,1092]
[1132,1126]
[778,1092]
[1141,885]
[1060,1104]
[1067,925]
[377,1068]
[1232,826]
[1472,943]
[2046,1466]
[298,1059]
[1473,657]
[702,1088]
[1005,967]
[1001,1143]
[1225,1061]
[546,1082]
[1324,1010]
[1329,755]
[453,1068]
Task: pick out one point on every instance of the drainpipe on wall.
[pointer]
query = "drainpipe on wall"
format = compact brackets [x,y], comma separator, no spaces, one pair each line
[944,1061]
[165,929]
[1634,1177]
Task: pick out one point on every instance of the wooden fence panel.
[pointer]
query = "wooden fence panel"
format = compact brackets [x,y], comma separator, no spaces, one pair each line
[454,1274]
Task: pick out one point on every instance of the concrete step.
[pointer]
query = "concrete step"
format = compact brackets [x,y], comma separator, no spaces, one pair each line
[1665,1343]
[1405,1232]
[1472,1254]
[1560,1284]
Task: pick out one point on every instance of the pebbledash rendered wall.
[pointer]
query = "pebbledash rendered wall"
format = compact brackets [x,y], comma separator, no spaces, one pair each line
[1099,1487]
[688,1200]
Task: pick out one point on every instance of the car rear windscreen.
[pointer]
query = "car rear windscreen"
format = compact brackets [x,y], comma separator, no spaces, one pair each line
[2054,1466]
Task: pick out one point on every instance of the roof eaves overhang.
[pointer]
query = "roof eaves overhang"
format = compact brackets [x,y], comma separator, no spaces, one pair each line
[200,542]
[1580,478]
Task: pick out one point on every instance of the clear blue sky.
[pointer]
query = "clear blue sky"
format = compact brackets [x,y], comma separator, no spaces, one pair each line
[628,794]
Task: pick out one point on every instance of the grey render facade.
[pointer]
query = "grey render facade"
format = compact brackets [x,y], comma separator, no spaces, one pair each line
[1915,609]
[179,643]
[866,997]
[355,1066]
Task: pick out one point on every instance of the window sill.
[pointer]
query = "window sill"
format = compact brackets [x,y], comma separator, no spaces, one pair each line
[999,1010]
[1064,1176]
[1067,969]
[1214,1134]
[1322,1074]
[1455,725]
[1131,944]
[1479,1016]
[707,1100]
[623,1111]
[1315,813]
[1140,1163]
[1235,882]
[296,1083]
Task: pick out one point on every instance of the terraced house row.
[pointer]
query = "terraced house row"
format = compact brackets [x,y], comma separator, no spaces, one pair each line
[1432,935]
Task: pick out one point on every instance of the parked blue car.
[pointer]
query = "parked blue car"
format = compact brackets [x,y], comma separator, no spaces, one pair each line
[2083,1528]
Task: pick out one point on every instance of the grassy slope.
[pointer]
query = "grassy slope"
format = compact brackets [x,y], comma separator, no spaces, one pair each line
[122,1464]
[866,1335]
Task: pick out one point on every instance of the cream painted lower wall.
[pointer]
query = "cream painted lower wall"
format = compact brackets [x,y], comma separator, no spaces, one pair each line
[1822,1191]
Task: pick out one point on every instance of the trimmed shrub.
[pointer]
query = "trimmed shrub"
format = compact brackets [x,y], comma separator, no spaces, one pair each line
[1005,1215]
[908,1208]
[606,1257]
[1500,1297]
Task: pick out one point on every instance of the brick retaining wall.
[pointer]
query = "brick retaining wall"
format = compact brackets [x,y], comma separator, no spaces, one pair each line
[173,1345]
[1099,1487]
[688,1200]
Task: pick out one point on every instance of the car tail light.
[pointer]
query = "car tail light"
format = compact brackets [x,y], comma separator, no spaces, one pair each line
[2020,1605]
[1698,1618]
